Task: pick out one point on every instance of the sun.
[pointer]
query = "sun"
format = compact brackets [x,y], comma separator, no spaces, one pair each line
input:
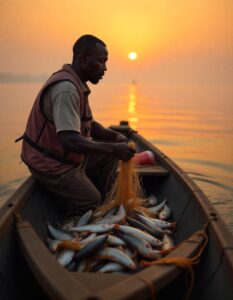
[132,55]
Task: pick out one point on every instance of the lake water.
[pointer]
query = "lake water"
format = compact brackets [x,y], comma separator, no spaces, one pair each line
[192,124]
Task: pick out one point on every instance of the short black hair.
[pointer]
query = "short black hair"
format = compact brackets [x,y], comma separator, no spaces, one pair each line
[85,44]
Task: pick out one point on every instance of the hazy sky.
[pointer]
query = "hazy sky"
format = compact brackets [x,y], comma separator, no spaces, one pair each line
[184,41]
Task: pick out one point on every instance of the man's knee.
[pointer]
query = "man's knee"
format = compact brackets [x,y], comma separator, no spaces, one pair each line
[80,205]
[94,197]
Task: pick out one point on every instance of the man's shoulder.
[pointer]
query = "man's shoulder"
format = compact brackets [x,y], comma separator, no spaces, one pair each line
[63,86]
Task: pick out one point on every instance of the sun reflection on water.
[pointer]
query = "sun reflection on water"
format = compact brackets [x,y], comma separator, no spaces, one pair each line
[132,101]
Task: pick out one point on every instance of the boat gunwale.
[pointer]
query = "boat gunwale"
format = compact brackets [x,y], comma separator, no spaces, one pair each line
[14,203]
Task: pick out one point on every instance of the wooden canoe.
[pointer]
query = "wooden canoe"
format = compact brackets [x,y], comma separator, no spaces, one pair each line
[29,271]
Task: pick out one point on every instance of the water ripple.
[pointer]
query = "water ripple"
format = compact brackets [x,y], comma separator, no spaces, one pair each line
[219,165]
[197,174]
[7,189]
[167,143]
[215,183]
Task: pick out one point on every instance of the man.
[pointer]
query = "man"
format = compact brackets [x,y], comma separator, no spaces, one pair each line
[60,143]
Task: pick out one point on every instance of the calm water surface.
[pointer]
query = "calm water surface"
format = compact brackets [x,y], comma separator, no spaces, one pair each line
[193,125]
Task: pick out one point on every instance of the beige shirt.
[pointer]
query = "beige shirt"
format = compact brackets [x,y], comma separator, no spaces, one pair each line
[61,104]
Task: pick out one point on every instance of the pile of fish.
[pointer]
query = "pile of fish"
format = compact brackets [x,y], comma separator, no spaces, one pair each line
[114,241]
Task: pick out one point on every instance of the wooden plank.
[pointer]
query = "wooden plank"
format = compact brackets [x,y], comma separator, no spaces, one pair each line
[155,170]
[55,280]
[14,203]
[152,171]
[97,282]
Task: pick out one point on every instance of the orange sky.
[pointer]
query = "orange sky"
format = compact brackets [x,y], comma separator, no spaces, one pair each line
[176,40]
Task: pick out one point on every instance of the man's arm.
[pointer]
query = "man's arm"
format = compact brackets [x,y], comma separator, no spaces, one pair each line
[74,142]
[99,132]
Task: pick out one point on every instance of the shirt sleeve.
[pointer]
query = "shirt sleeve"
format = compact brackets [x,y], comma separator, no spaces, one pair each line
[66,111]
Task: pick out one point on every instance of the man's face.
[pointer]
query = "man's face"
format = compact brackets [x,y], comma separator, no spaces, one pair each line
[94,65]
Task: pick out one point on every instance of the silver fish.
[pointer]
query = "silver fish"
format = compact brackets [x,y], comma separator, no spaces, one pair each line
[152,200]
[165,213]
[117,256]
[91,247]
[153,226]
[85,219]
[111,267]
[70,222]
[137,232]
[115,241]
[65,257]
[89,238]
[93,228]
[114,219]
[59,234]
[82,265]
[135,223]
[158,207]
[97,214]
[138,212]
[111,212]
[136,243]
[167,242]
[52,244]
[163,224]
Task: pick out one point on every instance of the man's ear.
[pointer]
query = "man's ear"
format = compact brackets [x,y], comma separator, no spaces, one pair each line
[82,59]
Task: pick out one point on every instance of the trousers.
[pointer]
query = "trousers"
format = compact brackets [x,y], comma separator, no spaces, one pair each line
[84,187]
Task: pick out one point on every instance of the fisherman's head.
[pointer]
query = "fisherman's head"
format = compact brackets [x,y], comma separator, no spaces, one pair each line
[89,58]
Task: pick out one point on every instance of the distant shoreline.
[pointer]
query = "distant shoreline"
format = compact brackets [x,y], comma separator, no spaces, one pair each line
[22,78]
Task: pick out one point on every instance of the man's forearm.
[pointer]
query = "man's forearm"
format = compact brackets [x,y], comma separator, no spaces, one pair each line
[101,133]
[73,142]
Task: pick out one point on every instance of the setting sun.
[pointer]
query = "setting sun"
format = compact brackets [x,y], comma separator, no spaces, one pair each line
[132,55]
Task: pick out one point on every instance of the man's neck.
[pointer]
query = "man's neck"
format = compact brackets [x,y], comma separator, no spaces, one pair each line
[78,71]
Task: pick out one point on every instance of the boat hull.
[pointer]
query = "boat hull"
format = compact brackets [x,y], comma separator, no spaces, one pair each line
[29,270]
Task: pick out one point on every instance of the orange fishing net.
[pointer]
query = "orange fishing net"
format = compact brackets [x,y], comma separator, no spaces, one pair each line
[126,189]
[72,245]
[184,262]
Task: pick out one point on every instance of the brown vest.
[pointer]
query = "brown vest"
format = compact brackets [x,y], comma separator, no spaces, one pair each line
[41,148]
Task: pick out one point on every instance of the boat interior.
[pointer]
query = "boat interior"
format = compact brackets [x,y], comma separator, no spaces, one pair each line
[29,271]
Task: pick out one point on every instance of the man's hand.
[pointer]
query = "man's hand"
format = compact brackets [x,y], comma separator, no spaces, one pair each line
[123,152]
[120,138]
